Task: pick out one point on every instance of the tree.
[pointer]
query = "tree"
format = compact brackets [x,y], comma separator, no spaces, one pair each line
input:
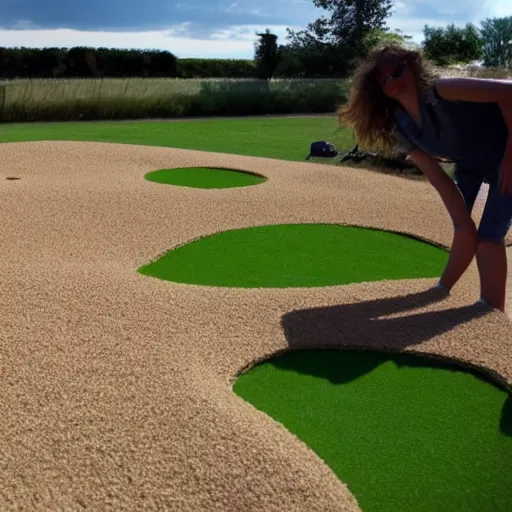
[350,20]
[78,62]
[266,55]
[497,41]
[339,39]
[160,63]
[379,36]
[452,45]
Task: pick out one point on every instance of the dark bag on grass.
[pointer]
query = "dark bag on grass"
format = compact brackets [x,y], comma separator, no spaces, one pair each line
[322,148]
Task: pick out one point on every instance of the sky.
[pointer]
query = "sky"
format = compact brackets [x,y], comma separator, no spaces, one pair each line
[203,28]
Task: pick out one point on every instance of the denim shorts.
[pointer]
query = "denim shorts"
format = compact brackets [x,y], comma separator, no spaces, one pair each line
[497,215]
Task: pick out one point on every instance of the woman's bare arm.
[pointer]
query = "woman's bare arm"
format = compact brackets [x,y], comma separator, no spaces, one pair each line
[447,189]
[464,242]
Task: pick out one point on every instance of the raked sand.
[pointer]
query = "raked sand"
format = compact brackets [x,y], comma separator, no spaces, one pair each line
[117,387]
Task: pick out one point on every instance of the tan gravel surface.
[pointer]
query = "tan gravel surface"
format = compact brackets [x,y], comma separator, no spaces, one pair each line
[117,387]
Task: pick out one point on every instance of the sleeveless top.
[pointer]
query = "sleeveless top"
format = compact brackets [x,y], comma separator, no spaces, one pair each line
[473,135]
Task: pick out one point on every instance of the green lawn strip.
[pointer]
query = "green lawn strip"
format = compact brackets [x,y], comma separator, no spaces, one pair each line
[201,177]
[404,434]
[298,255]
[281,138]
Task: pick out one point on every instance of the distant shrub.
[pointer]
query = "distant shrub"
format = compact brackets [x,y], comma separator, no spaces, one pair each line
[216,68]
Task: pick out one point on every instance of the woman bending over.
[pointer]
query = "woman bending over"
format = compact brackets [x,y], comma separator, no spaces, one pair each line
[396,103]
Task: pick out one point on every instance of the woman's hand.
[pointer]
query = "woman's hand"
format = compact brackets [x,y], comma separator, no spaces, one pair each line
[462,252]
[464,222]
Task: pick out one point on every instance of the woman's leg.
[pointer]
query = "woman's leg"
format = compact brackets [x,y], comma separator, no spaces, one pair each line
[492,266]
[491,251]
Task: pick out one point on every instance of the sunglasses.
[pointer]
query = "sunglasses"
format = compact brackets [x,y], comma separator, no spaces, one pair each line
[397,73]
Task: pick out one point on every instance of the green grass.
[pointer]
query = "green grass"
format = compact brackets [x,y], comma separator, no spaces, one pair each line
[403,434]
[203,177]
[276,137]
[298,255]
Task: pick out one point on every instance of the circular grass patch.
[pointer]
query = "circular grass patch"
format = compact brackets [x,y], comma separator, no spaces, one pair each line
[205,177]
[404,433]
[298,255]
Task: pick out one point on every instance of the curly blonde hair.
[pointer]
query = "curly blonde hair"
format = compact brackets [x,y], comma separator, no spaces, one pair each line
[369,111]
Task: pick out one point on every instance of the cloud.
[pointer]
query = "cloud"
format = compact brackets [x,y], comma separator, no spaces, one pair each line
[402,8]
[119,15]
[231,42]
[203,28]
[411,16]
[499,9]
[248,33]
[24,25]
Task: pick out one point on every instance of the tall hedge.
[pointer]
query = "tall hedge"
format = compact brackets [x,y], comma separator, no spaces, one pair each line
[83,62]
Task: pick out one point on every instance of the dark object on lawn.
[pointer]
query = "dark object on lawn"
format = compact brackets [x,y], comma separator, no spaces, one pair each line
[398,161]
[322,149]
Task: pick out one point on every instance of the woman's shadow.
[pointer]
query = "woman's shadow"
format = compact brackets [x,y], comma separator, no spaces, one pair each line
[361,326]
